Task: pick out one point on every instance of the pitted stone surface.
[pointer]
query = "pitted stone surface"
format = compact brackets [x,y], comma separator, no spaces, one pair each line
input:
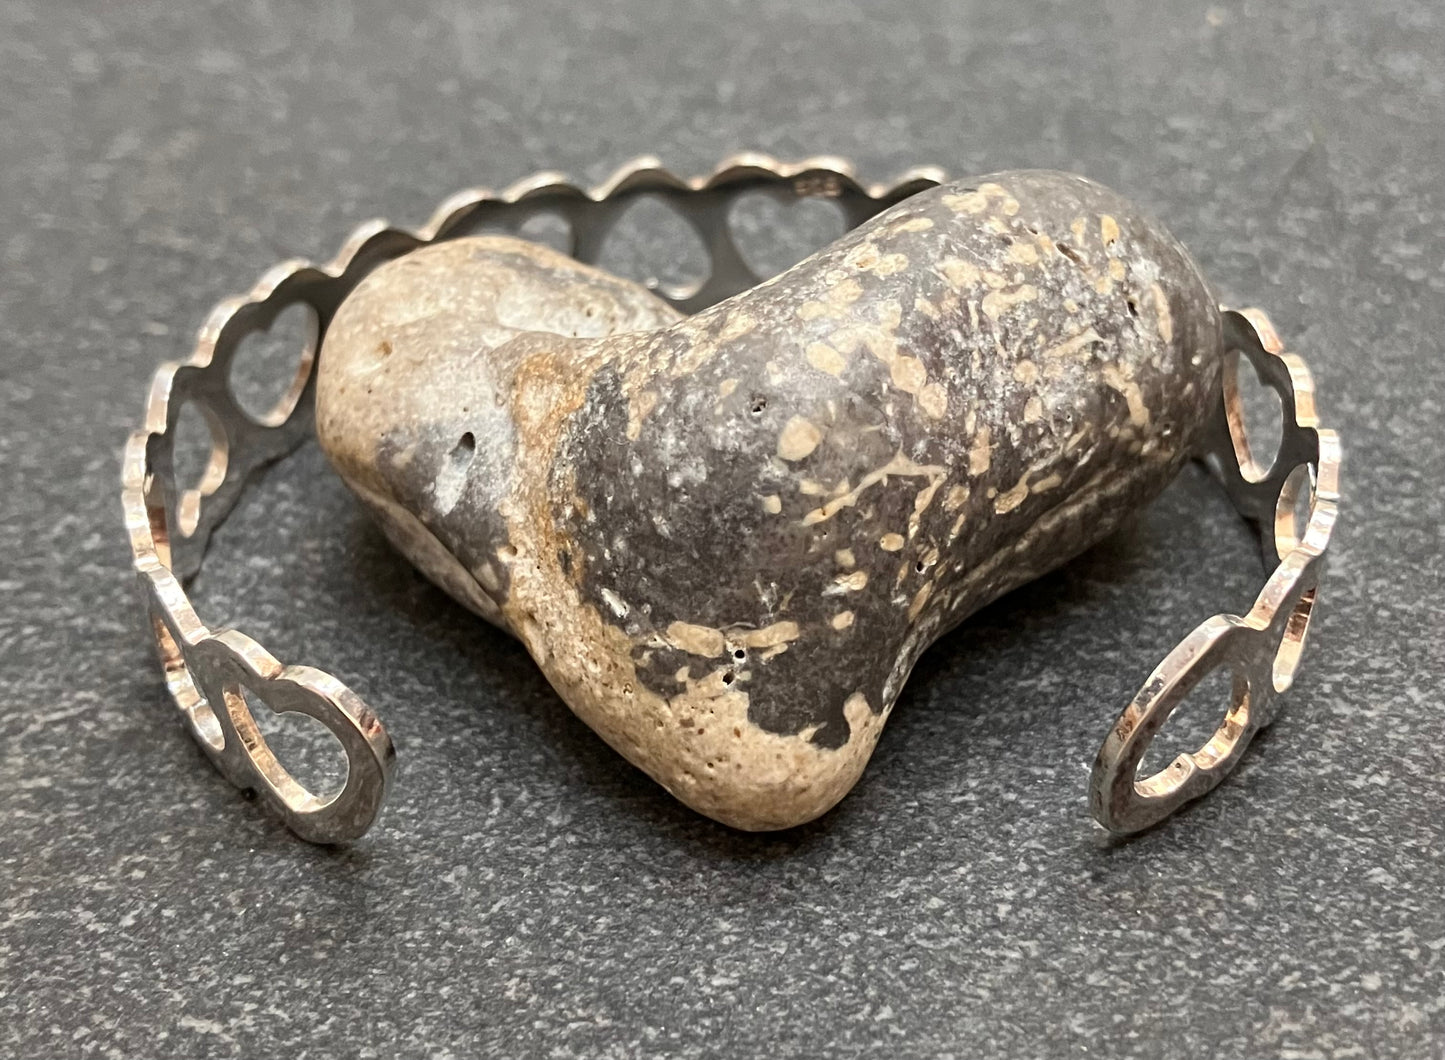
[727,539]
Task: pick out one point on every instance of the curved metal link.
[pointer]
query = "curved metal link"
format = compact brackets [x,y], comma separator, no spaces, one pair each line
[1262,649]
[209,673]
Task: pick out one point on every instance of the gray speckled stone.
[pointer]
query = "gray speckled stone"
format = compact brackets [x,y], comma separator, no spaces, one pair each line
[726,540]
[526,895]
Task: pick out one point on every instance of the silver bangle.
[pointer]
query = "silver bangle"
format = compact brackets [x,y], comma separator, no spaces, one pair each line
[208,671]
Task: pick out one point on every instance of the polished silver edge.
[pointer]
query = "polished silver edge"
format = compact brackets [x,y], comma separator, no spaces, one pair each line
[1261,649]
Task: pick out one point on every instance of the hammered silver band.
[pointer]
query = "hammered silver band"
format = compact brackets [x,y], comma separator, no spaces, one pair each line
[210,673]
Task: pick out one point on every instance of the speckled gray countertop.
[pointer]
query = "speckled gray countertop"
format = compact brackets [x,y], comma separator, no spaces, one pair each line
[528,893]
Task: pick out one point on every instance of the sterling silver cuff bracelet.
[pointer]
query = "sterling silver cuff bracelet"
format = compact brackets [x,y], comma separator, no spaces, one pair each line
[1293,499]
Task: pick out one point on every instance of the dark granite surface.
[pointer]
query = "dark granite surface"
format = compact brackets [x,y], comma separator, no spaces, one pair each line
[528,893]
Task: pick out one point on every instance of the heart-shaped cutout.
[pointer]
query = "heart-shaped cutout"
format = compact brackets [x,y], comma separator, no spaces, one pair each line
[199,454]
[222,680]
[650,231]
[1202,728]
[774,229]
[1214,673]
[271,366]
[1255,415]
[302,755]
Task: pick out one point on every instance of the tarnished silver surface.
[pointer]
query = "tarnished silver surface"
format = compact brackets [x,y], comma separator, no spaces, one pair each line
[209,671]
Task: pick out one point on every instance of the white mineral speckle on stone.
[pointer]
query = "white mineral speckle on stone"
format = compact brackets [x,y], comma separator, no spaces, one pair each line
[616,603]
[996,303]
[825,358]
[798,438]
[1164,318]
[695,640]
[847,583]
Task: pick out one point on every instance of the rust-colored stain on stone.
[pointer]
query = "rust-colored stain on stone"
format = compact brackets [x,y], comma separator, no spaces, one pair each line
[727,538]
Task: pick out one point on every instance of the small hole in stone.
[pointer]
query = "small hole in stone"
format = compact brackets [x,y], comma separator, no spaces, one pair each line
[1133,307]
[728,678]
[465,449]
[919,567]
[1070,253]
[739,653]
[759,404]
